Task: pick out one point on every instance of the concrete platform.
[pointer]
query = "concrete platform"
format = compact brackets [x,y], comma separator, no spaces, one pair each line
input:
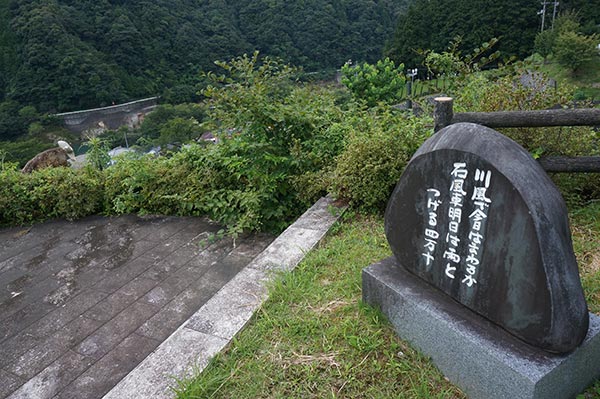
[482,359]
[83,303]
[120,307]
[189,349]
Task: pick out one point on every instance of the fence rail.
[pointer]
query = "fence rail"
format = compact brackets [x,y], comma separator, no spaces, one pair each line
[444,115]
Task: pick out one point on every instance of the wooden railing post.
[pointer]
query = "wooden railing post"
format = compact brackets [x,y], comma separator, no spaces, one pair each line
[442,112]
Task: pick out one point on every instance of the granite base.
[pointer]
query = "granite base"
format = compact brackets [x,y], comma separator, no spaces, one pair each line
[479,357]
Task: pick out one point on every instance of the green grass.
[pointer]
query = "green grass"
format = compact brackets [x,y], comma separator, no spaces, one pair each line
[314,338]
[586,80]
[585,226]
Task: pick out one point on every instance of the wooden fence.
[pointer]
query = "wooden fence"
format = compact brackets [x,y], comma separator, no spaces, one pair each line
[443,116]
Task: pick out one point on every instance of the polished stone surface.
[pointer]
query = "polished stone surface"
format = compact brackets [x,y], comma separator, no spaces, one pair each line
[476,216]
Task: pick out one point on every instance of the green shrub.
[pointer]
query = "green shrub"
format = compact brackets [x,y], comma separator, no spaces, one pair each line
[145,185]
[272,131]
[380,143]
[97,155]
[49,193]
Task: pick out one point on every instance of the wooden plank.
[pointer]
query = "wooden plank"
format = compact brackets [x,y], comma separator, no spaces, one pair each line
[570,164]
[550,117]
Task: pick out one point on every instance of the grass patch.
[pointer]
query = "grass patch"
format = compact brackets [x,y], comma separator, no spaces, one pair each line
[314,338]
[585,80]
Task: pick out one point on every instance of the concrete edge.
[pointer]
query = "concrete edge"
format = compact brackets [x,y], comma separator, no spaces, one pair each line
[209,330]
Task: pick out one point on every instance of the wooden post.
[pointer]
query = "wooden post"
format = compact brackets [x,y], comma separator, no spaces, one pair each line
[442,112]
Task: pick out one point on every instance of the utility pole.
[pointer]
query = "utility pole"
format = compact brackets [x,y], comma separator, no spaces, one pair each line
[542,12]
[554,13]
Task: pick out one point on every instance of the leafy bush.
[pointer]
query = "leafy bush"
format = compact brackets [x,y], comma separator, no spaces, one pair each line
[97,155]
[452,62]
[146,185]
[380,143]
[507,93]
[49,193]
[271,132]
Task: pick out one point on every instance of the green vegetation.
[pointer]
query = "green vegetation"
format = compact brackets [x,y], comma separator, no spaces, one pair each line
[490,92]
[428,24]
[63,55]
[586,83]
[315,338]
[567,44]
[282,144]
[373,84]
[379,144]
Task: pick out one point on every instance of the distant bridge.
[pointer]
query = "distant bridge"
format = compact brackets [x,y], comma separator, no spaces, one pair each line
[112,117]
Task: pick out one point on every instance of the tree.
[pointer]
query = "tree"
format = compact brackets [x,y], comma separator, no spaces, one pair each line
[544,42]
[572,49]
[382,82]
[428,24]
[179,130]
[64,55]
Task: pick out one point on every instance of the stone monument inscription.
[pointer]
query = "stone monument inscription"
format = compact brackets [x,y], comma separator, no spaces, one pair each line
[476,216]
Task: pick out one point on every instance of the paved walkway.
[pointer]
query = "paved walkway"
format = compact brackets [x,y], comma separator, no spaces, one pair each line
[83,303]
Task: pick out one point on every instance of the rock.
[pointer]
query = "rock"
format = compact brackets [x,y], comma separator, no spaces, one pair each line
[476,216]
[54,157]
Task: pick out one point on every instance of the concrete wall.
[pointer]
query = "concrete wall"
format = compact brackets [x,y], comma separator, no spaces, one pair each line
[100,119]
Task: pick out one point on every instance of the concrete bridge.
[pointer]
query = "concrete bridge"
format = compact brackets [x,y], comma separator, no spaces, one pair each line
[113,117]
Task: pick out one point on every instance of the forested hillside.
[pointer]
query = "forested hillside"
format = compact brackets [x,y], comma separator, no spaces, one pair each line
[70,54]
[432,24]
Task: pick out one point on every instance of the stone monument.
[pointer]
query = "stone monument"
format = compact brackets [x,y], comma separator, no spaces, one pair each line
[483,278]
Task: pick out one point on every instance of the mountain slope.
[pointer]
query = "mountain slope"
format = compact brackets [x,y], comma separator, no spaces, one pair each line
[76,54]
